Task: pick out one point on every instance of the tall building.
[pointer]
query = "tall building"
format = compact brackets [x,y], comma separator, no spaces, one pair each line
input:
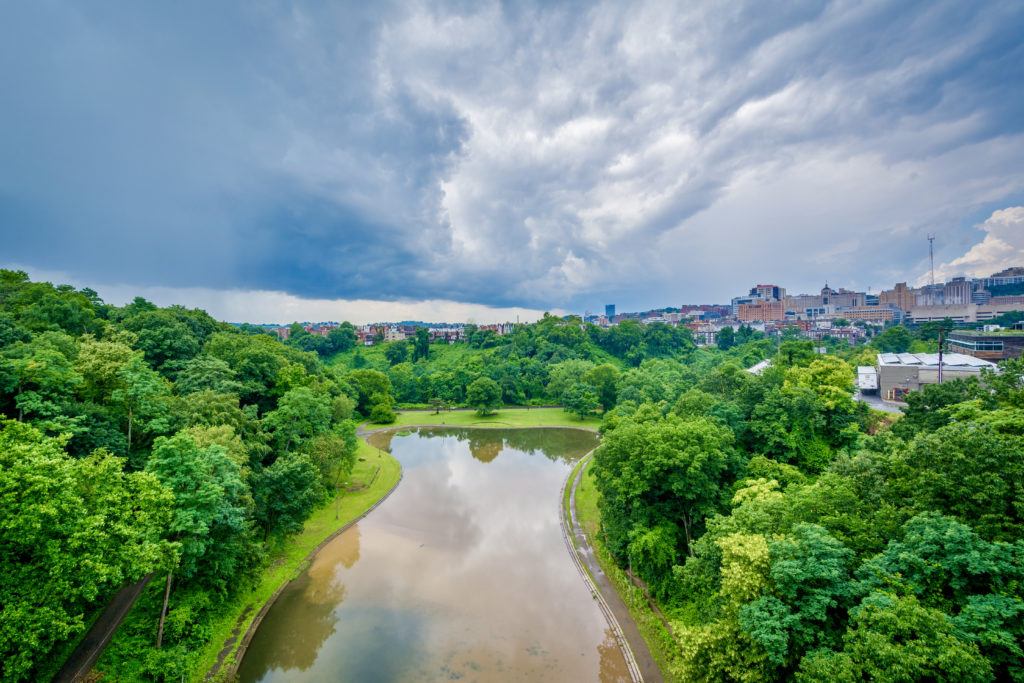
[846,297]
[609,311]
[931,295]
[762,311]
[901,296]
[957,291]
[768,292]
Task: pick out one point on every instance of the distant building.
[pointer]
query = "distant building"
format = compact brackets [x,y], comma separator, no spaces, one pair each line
[966,313]
[768,292]
[899,373]
[957,291]
[1010,276]
[901,296]
[847,297]
[738,301]
[995,345]
[609,311]
[931,295]
[763,311]
[879,314]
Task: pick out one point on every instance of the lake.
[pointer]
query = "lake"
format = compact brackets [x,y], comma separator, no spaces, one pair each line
[461,574]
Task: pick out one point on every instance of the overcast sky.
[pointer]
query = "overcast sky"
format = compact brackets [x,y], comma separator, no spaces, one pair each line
[272,161]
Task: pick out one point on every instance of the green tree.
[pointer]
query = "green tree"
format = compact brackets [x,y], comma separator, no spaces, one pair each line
[300,415]
[810,590]
[285,494]
[162,337]
[342,338]
[484,395]
[580,399]
[99,362]
[970,469]
[73,531]
[421,344]
[142,398]
[368,383]
[663,471]
[334,453]
[894,639]
[893,340]
[207,373]
[603,378]
[396,352]
[209,498]
[725,339]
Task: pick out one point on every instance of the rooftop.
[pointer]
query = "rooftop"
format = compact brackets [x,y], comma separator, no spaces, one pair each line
[932,359]
[993,333]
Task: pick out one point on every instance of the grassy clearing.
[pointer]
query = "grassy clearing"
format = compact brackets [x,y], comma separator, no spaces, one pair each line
[566,497]
[661,642]
[289,559]
[534,417]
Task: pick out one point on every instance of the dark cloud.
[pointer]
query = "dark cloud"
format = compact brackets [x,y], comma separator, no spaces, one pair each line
[506,154]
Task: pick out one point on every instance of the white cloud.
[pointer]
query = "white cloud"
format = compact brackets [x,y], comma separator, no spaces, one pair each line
[506,153]
[257,306]
[1002,247]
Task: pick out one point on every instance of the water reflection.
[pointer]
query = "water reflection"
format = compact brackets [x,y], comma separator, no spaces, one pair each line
[462,573]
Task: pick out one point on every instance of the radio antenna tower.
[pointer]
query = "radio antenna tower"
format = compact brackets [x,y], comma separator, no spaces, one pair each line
[931,255]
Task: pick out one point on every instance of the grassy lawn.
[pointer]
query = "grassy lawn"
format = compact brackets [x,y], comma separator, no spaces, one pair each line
[661,642]
[289,559]
[545,417]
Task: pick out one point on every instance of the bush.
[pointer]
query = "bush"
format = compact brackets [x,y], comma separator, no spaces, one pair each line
[382,414]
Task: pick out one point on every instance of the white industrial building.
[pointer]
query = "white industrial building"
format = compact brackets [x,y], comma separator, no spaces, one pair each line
[899,373]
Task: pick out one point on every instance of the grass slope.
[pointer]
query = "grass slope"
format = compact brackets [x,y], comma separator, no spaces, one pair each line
[661,642]
[289,559]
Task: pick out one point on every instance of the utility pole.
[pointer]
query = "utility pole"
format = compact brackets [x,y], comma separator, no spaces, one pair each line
[931,255]
[940,354]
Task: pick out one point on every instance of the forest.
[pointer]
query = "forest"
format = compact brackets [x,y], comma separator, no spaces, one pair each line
[786,530]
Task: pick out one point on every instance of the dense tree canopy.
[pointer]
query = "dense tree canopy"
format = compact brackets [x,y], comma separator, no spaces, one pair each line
[786,532]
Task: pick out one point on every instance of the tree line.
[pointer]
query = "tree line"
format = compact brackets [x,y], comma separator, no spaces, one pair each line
[789,533]
[138,439]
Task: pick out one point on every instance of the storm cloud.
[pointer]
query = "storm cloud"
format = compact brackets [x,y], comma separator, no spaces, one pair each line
[538,155]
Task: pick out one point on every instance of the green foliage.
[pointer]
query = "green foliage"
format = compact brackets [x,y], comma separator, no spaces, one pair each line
[284,494]
[382,414]
[300,415]
[897,639]
[663,472]
[397,352]
[893,340]
[74,531]
[726,338]
[421,344]
[580,399]
[484,395]
[206,373]
[209,503]
[971,469]
[342,338]
[367,384]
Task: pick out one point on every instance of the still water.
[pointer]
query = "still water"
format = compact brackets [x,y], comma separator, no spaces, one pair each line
[462,574]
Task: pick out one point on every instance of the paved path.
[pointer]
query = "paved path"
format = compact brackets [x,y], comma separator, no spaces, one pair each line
[639,659]
[877,403]
[95,641]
